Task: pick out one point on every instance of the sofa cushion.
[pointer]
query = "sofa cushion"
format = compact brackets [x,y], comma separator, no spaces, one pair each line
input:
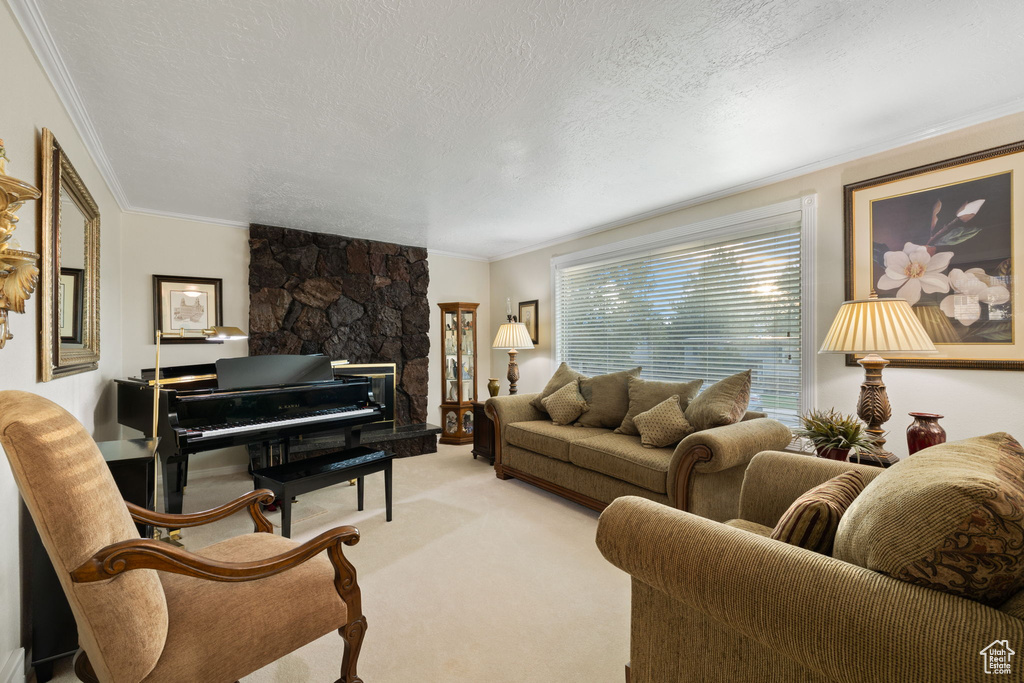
[608,398]
[541,436]
[565,405]
[723,403]
[950,518]
[563,375]
[811,521]
[645,394]
[621,456]
[663,425]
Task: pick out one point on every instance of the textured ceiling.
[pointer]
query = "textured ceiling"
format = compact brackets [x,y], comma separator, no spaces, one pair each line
[483,127]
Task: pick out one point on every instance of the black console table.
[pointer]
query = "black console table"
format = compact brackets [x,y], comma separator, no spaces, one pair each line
[54,632]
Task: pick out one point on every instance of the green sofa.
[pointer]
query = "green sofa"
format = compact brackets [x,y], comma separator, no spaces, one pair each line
[593,466]
[723,602]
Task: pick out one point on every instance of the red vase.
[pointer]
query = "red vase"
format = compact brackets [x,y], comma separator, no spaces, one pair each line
[924,432]
[833,453]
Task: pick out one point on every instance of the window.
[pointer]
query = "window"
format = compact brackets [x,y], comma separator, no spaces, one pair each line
[698,302]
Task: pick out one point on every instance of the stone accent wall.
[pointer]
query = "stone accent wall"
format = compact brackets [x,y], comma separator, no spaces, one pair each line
[353,299]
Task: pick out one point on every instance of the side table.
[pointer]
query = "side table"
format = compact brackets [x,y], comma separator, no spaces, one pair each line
[483,433]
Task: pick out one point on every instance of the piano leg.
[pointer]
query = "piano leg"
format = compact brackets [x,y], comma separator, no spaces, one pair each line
[173,474]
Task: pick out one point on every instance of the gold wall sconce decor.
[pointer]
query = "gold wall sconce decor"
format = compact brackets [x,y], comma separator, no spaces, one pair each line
[19,271]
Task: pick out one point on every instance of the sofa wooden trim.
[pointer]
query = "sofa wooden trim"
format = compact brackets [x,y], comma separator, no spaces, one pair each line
[681,485]
[586,501]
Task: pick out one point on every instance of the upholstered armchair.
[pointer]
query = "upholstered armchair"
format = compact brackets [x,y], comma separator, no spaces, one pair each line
[150,611]
[722,602]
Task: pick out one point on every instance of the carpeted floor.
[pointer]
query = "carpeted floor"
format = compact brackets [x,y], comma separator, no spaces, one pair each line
[476,580]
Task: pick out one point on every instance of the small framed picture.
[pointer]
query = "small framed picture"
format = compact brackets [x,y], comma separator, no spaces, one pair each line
[528,317]
[70,298]
[186,303]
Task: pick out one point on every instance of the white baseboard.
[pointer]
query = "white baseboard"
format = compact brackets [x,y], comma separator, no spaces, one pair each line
[215,471]
[14,667]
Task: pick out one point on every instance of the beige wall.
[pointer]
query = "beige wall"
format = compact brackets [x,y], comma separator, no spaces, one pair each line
[30,104]
[154,245]
[973,401]
[455,279]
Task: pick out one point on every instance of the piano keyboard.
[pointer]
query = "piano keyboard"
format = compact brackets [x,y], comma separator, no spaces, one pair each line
[259,425]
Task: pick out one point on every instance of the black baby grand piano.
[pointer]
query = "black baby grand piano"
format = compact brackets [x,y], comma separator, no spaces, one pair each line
[264,400]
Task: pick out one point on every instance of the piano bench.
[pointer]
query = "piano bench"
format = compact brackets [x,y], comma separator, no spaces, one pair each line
[302,476]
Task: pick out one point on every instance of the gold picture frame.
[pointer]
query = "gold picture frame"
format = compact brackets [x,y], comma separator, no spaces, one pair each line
[70,226]
[946,237]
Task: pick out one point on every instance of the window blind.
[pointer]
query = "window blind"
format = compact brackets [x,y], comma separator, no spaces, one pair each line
[704,310]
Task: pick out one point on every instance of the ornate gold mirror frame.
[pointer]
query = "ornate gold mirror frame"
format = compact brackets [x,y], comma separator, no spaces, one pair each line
[82,353]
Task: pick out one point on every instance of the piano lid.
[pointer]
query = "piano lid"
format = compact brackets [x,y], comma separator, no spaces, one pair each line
[269,371]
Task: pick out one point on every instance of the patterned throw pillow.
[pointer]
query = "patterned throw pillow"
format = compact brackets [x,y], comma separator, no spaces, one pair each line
[663,425]
[645,394]
[813,518]
[723,403]
[566,404]
[563,375]
[951,518]
[608,398]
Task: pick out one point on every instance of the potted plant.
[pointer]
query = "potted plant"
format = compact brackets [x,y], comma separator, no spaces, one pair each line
[834,434]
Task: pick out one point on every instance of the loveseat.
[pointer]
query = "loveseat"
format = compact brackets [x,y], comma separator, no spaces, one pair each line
[595,465]
[723,602]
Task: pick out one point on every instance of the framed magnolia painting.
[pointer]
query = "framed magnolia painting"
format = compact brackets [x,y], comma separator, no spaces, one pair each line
[946,237]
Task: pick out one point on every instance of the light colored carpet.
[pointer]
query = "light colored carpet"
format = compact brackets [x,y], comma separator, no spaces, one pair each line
[475,580]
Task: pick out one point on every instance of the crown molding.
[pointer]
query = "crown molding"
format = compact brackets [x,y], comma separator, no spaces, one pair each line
[1013,106]
[39,37]
[187,217]
[454,254]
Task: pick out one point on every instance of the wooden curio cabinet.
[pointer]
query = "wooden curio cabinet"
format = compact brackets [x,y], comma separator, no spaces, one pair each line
[458,376]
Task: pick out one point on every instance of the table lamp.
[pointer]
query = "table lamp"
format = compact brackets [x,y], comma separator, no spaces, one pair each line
[874,326]
[215,333]
[512,335]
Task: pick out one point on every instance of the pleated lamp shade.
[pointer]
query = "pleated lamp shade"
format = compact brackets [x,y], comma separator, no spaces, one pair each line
[512,336]
[874,325]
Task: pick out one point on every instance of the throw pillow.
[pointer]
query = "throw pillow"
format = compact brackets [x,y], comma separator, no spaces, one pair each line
[565,405]
[645,394]
[563,375]
[608,398]
[950,518]
[813,518]
[723,403]
[663,425]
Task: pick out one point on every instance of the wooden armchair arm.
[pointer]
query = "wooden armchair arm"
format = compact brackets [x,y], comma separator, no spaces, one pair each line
[252,500]
[147,553]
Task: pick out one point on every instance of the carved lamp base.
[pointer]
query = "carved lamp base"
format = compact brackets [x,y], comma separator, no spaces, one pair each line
[873,407]
[513,371]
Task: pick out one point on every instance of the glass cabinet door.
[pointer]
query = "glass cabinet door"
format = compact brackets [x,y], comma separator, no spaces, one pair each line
[468,355]
[451,357]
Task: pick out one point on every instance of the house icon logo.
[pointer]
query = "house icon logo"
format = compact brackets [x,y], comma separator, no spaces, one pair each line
[997,657]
